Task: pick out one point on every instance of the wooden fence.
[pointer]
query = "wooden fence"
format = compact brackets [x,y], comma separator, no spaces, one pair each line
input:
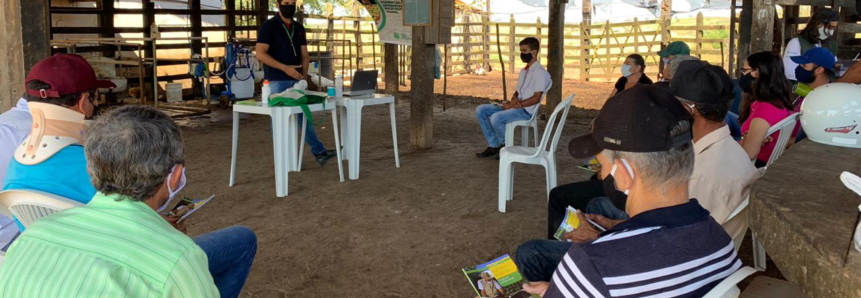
[474,45]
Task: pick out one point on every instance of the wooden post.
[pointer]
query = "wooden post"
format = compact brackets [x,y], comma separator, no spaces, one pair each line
[357,25]
[607,67]
[512,44]
[732,35]
[585,40]
[790,19]
[230,8]
[422,97]
[485,26]
[501,66]
[666,20]
[106,23]
[538,35]
[448,67]
[390,67]
[555,54]
[467,48]
[636,30]
[700,35]
[196,21]
[23,42]
[744,34]
[330,30]
[762,25]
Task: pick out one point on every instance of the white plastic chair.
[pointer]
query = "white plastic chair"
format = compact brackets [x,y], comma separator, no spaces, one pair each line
[738,210]
[727,288]
[785,126]
[524,125]
[30,205]
[544,154]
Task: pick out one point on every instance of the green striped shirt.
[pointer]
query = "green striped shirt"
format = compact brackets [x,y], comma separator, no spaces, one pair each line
[107,248]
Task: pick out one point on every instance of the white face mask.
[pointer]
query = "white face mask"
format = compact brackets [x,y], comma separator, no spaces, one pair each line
[628,168]
[825,33]
[171,191]
[626,70]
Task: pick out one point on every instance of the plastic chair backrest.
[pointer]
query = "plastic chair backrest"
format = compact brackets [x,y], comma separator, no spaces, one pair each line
[543,99]
[727,288]
[563,107]
[785,126]
[31,205]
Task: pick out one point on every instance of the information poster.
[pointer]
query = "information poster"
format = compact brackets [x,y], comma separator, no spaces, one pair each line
[388,17]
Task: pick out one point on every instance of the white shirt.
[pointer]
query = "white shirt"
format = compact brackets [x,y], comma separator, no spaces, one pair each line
[531,80]
[793,48]
[722,178]
[15,125]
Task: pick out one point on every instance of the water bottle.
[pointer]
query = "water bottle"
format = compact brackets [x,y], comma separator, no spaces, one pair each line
[339,86]
[265,91]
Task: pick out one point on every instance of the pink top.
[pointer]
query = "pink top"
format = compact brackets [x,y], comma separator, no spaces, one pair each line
[770,114]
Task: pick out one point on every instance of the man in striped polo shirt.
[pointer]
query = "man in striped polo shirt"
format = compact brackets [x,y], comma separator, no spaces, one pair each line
[670,247]
[118,245]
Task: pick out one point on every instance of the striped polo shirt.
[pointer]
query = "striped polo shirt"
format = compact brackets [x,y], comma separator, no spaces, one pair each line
[677,251]
[108,248]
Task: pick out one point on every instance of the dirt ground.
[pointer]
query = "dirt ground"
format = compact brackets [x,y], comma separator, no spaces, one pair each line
[395,232]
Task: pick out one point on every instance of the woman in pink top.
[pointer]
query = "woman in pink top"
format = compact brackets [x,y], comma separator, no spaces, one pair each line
[769,105]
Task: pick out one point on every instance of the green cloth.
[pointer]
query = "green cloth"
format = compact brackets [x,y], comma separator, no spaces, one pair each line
[108,248]
[675,48]
[830,44]
[294,98]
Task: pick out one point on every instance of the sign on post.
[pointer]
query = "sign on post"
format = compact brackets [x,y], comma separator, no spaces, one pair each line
[388,18]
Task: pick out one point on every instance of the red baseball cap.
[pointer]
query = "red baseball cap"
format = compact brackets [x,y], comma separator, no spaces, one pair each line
[66,74]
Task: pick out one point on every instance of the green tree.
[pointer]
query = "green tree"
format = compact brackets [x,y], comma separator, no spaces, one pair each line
[316,6]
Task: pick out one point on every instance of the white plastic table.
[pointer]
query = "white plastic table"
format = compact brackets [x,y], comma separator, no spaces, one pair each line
[352,127]
[285,138]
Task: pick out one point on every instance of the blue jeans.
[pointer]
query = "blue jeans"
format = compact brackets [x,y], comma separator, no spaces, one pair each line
[493,119]
[604,207]
[731,120]
[230,252]
[537,259]
[317,147]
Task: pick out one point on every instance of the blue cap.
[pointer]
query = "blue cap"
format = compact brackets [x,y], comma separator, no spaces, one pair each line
[819,56]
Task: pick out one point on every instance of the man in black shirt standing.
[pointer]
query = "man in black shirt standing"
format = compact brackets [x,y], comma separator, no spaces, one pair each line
[283,49]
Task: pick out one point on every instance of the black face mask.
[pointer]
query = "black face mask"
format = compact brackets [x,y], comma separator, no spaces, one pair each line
[610,191]
[287,11]
[746,83]
[525,57]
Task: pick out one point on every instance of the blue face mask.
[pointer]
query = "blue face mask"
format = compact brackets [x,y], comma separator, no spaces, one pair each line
[804,76]
[626,70]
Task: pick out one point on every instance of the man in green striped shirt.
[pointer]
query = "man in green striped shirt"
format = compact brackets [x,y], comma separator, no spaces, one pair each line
[117,245]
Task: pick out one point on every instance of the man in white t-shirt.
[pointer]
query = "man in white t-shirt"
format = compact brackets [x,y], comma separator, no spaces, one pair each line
[15,125]
[532,82]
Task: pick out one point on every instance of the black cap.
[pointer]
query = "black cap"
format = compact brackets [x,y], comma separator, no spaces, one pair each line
[701,82]
[639,119]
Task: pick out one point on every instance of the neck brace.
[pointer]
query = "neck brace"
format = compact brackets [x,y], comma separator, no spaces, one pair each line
[54,128]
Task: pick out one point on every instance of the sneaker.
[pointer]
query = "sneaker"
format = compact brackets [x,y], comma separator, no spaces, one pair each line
[323,158]
[489,152]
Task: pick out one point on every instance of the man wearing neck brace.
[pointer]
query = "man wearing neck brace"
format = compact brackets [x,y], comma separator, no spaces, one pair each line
[62,92]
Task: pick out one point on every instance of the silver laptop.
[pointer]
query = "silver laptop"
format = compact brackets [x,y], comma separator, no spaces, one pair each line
[364,83]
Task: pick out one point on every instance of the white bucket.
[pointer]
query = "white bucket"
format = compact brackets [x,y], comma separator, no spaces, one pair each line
[174,92]
[242,89]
